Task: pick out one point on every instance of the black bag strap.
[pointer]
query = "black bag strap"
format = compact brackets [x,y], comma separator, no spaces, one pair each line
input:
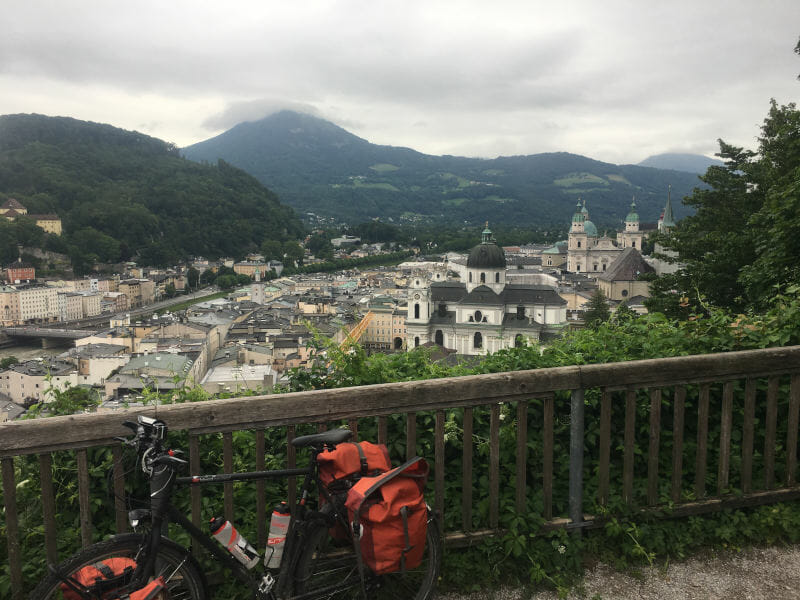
[104,569]
[363,458]
[395,473]
[359,558]
[404,515]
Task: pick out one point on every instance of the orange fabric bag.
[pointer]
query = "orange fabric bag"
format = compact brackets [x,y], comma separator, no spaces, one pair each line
[351,460]
[391,517]
[110,568]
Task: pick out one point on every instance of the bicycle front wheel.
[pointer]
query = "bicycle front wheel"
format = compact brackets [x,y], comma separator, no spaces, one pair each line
[182,576]
[328,571]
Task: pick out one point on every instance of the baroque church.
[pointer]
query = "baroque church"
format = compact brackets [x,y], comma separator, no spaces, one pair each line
[483,313]
[587,252]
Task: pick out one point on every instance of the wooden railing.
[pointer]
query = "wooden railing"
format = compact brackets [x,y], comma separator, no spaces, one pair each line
[551,406]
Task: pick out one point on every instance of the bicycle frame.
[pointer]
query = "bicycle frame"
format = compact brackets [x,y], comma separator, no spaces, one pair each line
[163,512]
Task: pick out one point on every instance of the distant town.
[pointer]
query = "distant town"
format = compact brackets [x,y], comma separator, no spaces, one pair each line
[125,341]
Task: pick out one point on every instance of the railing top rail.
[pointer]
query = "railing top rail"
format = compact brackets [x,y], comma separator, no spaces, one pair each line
[83,430]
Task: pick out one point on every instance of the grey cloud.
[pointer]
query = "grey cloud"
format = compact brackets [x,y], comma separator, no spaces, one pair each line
[254,110]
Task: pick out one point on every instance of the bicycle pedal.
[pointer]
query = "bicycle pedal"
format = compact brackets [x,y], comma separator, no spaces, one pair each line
[266,584]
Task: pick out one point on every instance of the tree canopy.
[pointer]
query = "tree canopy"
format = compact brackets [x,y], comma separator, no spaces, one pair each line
[741,246]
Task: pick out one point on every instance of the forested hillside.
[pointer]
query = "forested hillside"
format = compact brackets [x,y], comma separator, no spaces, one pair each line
[319,167]
[125,195]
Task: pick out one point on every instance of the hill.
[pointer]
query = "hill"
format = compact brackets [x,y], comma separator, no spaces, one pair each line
[691,163]
[121,194]
[316,166]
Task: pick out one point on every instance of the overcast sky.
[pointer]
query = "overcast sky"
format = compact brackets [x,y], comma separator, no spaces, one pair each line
[616,81]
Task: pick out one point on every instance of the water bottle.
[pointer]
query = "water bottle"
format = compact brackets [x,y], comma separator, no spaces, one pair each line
[278,528]
[226,534]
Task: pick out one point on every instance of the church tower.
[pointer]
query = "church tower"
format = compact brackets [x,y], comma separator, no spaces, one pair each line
[667,221]
[578,241]
[419,310]
[631,237]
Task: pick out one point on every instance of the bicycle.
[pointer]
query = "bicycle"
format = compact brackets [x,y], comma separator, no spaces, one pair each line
[313,566]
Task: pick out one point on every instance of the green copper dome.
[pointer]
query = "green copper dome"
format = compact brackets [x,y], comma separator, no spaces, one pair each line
[633,216]
[590,229]
[578,217]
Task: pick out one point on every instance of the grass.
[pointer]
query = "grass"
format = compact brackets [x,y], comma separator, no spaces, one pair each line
[384,168]
[619,179]
[188,303]
[580,180]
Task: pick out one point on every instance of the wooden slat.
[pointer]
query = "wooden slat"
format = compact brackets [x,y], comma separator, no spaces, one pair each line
[48,508]
[547,456]
[791,434]
[227,467]
[629,443]
[702,442]
[75,431]
[12,527]
[352,425]
[411,435]
[494,466]
[291,463]
[383,429]
[653,451]
[770,431]
[522,456]
[195,492]
[748,431]
[725,431]
[261,489]
[120,507]
[466,472]
[678,410]
[439,464]
[83,498]
[603,474]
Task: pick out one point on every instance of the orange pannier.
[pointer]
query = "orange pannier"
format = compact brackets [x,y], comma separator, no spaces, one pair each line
[390,517]
[351,460]
[106,578]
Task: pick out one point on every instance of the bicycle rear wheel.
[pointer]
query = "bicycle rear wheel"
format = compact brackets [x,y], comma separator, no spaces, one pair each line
[328,571]
[183,579]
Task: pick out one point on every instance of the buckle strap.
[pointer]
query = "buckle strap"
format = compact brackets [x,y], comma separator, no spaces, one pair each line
[104,569]
[362,458]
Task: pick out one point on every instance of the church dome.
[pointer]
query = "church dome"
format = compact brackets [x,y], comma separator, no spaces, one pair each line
[633,216]
[487,254]
[590,228]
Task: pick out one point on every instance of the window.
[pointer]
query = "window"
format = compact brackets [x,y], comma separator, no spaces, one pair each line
[579,243]
[477,340]
[478,316]
[470,276]
[578,267]
[497,277]
[416,342]
[439,338]
[633,243]
[483,277]
[624,293]
[595,266]
[416,311]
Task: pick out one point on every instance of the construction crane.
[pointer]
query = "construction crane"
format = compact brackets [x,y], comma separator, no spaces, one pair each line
[356,332]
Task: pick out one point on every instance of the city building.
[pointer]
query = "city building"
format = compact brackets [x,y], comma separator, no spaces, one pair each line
[482,313]
[11,209]
[589,252]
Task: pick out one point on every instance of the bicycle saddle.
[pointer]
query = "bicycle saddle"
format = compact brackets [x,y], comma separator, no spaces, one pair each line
[326,438]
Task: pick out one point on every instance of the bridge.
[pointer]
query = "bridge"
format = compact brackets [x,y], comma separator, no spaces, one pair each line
[46,333]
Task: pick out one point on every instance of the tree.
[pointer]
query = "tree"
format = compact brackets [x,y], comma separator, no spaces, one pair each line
[596,310]
[193,277]
[207,277]
[294,253]
[8,361]
[169,290]
[272,250]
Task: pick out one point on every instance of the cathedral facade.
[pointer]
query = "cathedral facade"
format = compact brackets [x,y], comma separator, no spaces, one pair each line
[588,252]
[483,313]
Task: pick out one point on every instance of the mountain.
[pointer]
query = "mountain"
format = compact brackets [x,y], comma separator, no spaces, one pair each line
[316,166]
[121,193]
[691,163]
